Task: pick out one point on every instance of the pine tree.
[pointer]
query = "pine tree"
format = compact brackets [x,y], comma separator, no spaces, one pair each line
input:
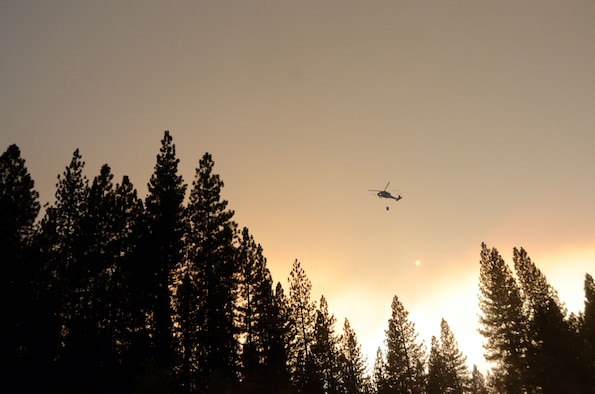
[211,265]
[478,384]
[551,359]
[162,245]
[436,369]
[586,336]
[589,313]
[279,342]
[256,315]
[405,356]
[456,370]
[125,318]
[19,207]
[63,245]
[502,322]
[302,315]
[112,214]
[352,363]
[325,374]
[379,377]
[99,257]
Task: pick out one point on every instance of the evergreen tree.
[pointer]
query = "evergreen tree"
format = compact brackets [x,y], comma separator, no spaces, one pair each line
[99,257]
[551,355]
[211,266]
[112,214]
[19,207]
[63,245]
[379,377]
[503,323]
[478,384]
[586,333]
[589,313]
[456,370]
[162,245]
[405,356]
[280,331]
[187,305]
[124,317]
[302,315]
[257,316]
[325,374]
[352,363]
[436,369]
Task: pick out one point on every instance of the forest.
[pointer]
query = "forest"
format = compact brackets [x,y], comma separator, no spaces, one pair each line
[107,292]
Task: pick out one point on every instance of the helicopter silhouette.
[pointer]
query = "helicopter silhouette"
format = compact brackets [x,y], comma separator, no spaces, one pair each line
[385,194]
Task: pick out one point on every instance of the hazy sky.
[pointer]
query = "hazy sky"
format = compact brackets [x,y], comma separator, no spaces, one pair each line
[480,113]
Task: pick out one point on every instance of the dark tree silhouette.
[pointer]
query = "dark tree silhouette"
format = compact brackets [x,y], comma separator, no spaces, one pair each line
[303,315]
[379,374]
[64,245]
[280,343]
[112,214]
[325,376]
[211,265]
[436,369]
[584,327]
[352,363]
[162,252]
[123,319]
[589,314]
[478,384]
[19,207]
[405,356]
[98,229]
[447,369]
[503,323]
[257,316]
[552,357]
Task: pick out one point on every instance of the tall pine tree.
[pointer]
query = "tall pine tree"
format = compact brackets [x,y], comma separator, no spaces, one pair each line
[281,329]
[551,355]
[19,207]
[405,355]
[256,315]
[212,270]
[303,314]
[352,363]
[325,377]
[587,332]
[453,372]
[436,369]
[380,382]
[123,316]
[503,323]
[478,383]
[162,243]
[63,245]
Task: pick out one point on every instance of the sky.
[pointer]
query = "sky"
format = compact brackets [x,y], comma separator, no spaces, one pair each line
[479,113]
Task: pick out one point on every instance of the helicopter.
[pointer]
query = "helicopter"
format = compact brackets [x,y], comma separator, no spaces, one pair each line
[385,194]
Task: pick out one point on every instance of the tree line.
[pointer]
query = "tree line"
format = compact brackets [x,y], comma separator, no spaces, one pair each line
[107,292]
